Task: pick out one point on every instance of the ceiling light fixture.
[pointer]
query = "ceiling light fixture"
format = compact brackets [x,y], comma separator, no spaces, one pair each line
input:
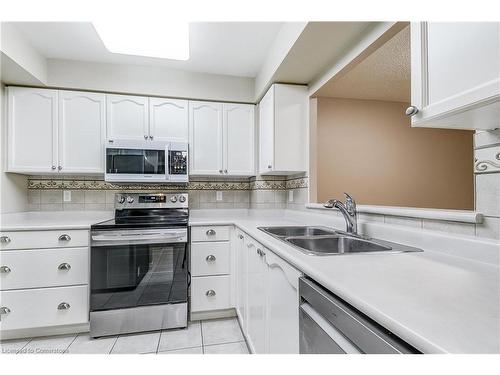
[166,40]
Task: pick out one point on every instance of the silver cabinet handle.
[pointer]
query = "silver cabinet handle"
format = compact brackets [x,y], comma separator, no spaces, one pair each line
[269,166]
[225,170]
[64,267]
[240,237]
[411,111]
[210,258]
[53,167]
[5,269]
[211,232]
[4,310]
[63,306]
[59,168]
[260,252]
[151,137]
[5,239]
[64,237]
[145,137]
[220,170]
[210,293]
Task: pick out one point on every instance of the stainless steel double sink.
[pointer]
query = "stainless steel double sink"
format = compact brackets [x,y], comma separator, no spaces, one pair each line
[316,240]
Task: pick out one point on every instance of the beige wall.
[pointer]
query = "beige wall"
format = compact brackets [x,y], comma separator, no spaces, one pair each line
[368,148]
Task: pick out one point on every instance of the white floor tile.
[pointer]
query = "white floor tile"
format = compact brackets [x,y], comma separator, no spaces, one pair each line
[12,346]
[197,350]
[84,344]
[181,338]
[137,343]
[232,348]
[48,345]
[221,331]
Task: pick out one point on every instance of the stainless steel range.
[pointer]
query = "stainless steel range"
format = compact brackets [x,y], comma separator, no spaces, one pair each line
[139,265]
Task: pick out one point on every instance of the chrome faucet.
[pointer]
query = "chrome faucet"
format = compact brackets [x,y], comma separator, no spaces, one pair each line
[348,210]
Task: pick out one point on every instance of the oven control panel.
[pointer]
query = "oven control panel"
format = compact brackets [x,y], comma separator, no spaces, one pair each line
[157,200]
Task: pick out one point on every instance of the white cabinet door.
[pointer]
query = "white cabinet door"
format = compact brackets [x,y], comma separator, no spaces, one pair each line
[127,117]
[241,279]
[205,138]
[238,139]
[455,74]
[282,306]
[32,130]
[81,132]
[256,297]
[168,119]
[266,132]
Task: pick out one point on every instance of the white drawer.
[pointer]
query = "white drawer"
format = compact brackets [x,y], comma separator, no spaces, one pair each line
[33,308]
[210,233]
[201,287]
[209,258]
[43,239]
[44,268]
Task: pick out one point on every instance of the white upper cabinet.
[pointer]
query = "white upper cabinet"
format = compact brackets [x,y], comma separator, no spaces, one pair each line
[238,139]
[283,137]
[282,306]
[127,117]
[205,138]
[221,139]
[32,130]
[168,119]
[81,132]
[455,75]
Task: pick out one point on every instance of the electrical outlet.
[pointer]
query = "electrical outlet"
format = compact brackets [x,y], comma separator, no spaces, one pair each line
[67,196]
[290,195]
[218,196]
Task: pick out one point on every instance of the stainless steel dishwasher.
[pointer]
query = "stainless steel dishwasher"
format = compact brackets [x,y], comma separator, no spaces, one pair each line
[329,325]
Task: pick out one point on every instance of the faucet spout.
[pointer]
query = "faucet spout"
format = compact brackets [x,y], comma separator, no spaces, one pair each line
[348,211]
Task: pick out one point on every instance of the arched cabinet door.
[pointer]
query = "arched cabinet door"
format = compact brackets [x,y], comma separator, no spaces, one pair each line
[127,117]
[168,119]
[282,306]
[32,130]
[82,124]
[205,138]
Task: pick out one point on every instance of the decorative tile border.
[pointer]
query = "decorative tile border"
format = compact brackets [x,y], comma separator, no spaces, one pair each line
[487,160]
[38,183]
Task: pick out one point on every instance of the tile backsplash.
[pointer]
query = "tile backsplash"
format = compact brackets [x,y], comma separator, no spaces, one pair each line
[45,193]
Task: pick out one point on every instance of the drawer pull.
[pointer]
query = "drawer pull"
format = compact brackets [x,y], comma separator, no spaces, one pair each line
[64,267]
[4,310]
[210,293]
[260,252]
[211,232]
[240,237]
[5,269]
[63,306]
[210,258]
[5,239]
[64,237]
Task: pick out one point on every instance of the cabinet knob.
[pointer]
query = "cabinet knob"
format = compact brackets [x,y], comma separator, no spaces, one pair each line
[269,166]
[63,306]
[4,310]
[210,293]
[151,137]
[145,137]
[5,239]
[220,170]
[53,167]
[59,168]
[225,170]
[64,237]
[211,232]
[411,111]
[5,269]
[64,267]
[240,237]
[210,258]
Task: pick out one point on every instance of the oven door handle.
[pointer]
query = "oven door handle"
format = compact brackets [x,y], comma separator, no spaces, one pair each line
[137,237]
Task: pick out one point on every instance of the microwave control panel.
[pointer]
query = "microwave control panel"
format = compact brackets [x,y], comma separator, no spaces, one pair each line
[178,162]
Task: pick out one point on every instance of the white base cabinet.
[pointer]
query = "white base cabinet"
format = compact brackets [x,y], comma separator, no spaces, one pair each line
[455,75]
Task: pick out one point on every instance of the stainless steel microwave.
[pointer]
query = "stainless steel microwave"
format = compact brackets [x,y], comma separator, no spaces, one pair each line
[146,161]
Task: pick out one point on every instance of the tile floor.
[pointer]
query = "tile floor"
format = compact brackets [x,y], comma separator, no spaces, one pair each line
[221,336]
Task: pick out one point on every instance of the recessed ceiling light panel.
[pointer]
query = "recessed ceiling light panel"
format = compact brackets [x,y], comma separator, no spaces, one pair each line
[166,40]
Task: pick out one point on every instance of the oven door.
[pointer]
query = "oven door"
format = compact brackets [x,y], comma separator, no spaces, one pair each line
[129,162]
[138,268]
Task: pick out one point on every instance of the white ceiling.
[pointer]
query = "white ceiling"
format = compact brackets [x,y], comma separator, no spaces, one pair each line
[383,75]
[229,48]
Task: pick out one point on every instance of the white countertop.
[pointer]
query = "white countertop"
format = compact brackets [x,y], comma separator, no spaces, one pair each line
[40,220]
[436,302]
